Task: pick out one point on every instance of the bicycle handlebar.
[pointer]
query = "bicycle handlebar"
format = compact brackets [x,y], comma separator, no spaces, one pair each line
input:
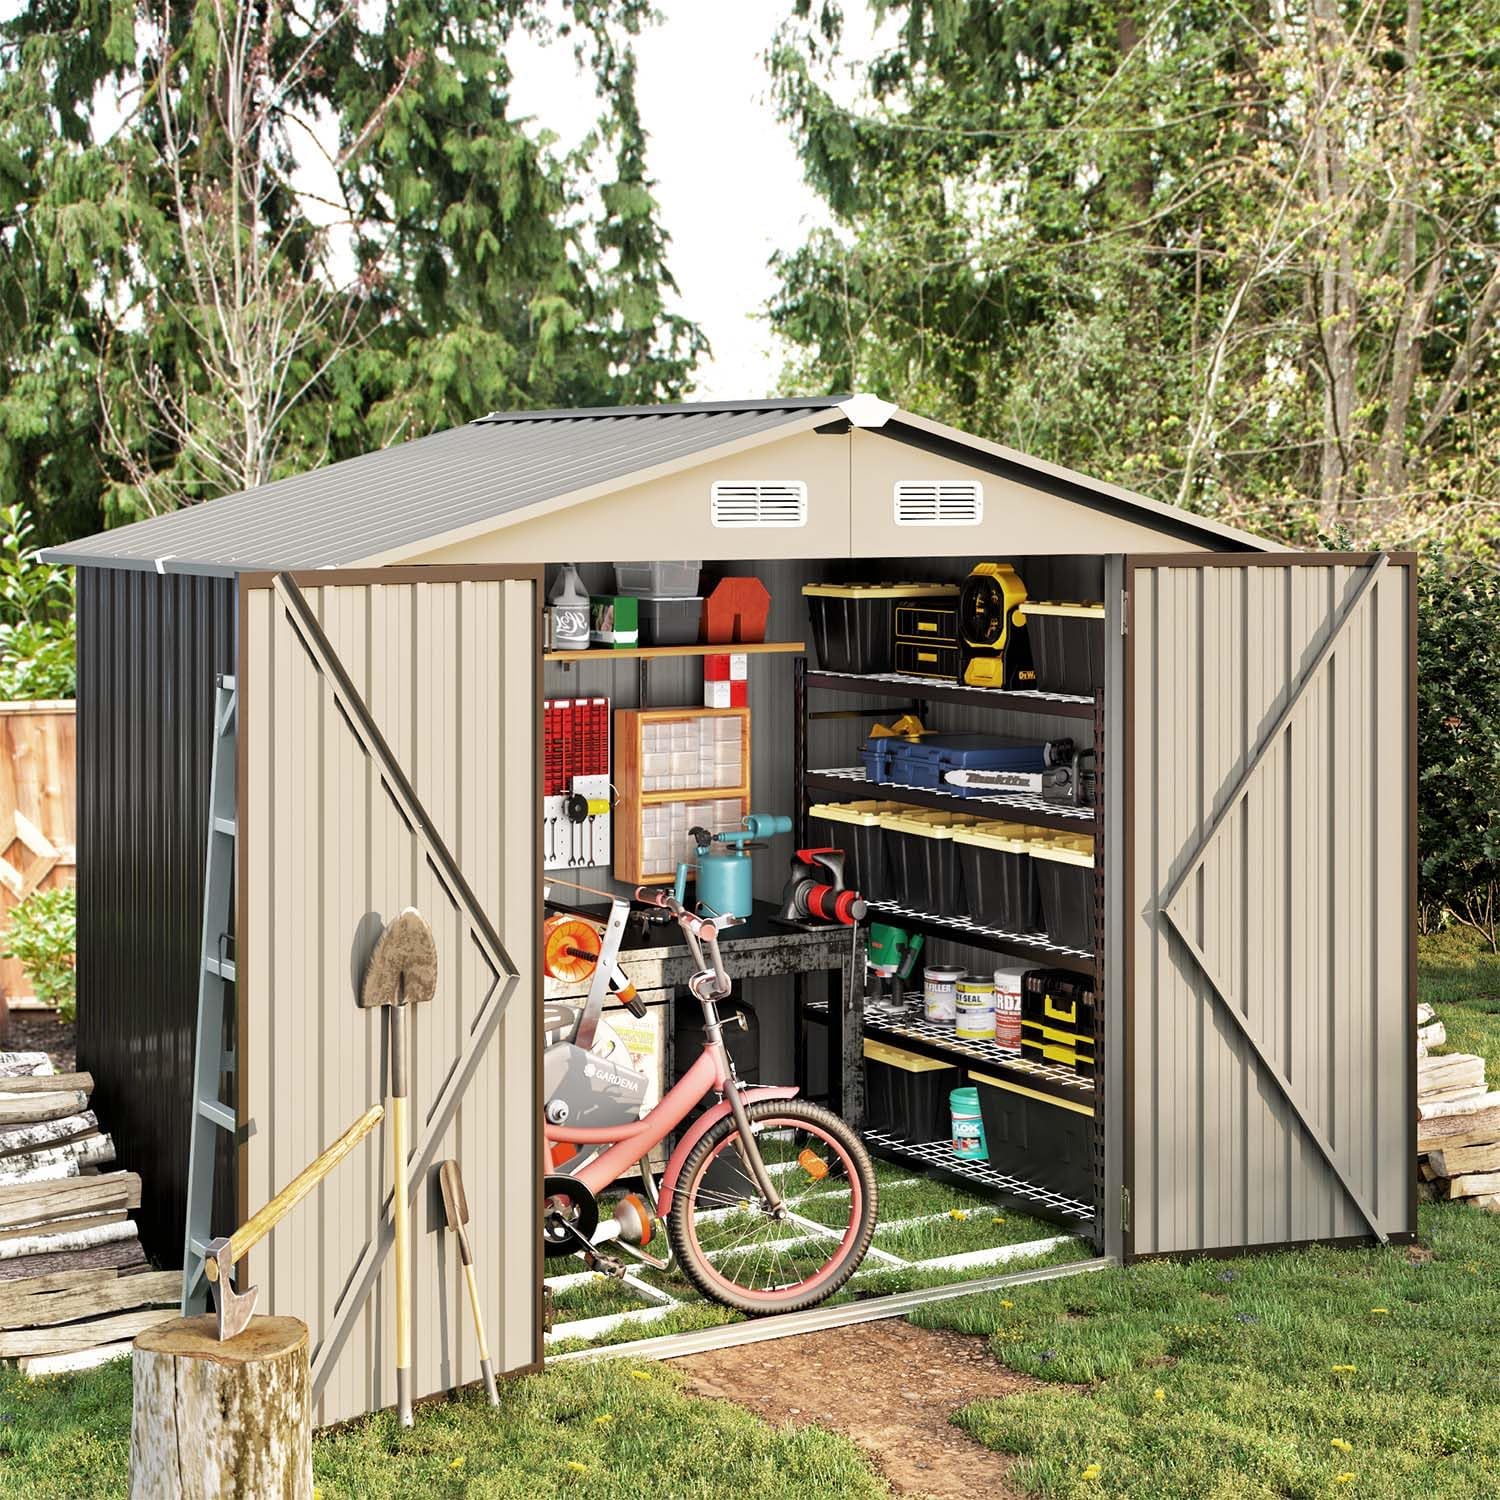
[699,932]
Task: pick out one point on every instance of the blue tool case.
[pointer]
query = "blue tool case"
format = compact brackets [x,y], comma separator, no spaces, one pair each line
[924,762]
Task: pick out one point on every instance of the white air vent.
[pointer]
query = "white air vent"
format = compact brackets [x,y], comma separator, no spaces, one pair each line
[939,502]
[765,502]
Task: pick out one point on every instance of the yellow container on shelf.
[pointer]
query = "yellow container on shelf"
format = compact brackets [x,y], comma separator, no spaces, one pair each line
[856,828]
[1065,878]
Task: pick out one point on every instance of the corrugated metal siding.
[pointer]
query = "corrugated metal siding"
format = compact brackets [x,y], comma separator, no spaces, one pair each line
[449,673]
[149,649]
[1301,905]
[362,507]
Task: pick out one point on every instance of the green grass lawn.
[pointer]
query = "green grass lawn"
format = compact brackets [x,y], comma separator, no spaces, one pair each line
[616,1429]
[1372,1373]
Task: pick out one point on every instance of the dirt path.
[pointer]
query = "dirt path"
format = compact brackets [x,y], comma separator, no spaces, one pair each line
[889,1386]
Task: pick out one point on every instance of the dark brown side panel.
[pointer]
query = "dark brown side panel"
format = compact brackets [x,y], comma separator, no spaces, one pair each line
[149,649]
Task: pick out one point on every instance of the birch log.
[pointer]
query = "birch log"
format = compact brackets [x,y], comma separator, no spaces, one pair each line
[24,1064]
[75,1239]
[230,1420]
[17,1138]
[22,1109]
[86,1151]
[121,1255]
[47,1083]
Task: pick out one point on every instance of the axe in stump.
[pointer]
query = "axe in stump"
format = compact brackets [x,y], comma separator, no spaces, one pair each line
[456,1209]
[402,972]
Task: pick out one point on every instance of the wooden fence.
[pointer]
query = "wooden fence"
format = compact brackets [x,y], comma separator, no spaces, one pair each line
[37,827]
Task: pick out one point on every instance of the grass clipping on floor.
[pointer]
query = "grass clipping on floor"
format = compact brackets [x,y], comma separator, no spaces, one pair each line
[609,1430]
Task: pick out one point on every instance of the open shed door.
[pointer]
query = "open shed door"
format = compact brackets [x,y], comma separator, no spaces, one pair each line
[1270,900]
[389,750]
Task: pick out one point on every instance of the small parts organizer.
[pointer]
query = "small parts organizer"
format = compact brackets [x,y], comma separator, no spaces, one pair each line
[575,783]
[676,769]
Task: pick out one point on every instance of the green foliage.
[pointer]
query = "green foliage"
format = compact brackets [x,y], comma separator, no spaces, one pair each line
[37,623]
[43,935]
[1242,258]
[1458,708]
[195,298]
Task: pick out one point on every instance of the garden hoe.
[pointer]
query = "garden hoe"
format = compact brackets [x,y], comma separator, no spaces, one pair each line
[456,1207]
[402,971]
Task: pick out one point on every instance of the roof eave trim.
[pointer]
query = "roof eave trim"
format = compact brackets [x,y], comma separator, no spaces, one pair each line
[1111,496]
[65,557]
[813,419]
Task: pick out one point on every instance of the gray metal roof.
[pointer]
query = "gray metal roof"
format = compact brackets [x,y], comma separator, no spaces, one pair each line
[349,511]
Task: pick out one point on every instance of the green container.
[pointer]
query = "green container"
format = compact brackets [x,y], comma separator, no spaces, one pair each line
[968,1125]
[614,620]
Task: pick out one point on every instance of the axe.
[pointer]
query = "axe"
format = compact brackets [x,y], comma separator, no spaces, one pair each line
[402,971]
[234,1308]
[456,1209]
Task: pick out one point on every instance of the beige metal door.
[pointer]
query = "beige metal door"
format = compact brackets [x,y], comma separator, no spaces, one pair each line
[389,746]
[1269,867]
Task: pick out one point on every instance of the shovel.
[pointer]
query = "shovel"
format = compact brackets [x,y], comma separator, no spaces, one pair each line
[456,1207]
[402,971]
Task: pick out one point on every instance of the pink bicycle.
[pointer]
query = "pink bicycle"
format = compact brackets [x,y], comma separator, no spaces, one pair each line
[768,1199]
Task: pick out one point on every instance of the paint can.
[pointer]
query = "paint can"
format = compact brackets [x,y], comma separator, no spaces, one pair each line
[939,992]
[1008,980]
[974,1008]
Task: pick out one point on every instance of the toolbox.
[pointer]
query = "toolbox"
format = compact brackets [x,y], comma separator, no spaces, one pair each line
[925,873]
[1062,1049]
[1065,880]
[926,642]
[1067,645]
[926,761]
[854,624]
[907,1094]
[855,827]
[1055,997]
[1033,1136]
[999,881]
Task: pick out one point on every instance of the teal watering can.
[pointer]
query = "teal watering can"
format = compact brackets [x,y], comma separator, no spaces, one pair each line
[723,868]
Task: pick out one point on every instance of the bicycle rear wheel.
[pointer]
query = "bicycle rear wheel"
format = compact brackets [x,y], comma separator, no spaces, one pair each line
[731,1247]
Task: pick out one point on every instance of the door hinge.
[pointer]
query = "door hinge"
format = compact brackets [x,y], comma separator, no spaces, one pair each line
[1124,611]
[1124,1210]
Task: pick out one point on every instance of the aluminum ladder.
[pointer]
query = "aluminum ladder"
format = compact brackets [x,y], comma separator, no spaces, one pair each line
[214,1059]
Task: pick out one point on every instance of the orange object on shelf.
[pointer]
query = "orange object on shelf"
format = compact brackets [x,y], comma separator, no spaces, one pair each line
[570,947]
[736,612]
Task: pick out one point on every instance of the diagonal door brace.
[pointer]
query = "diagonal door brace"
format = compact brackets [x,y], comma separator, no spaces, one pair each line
[403,795]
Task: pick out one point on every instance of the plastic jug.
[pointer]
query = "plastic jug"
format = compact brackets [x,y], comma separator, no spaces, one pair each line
[569,605]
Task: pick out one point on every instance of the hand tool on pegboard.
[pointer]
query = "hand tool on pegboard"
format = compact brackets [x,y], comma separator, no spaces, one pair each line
[456,1210]
[402,972]
[576,790]
[234,1309]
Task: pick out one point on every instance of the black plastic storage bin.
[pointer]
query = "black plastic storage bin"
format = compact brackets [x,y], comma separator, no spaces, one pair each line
[855,827]
[1067,643]
[925,873]
[1057,998]
[907,1094]
[1065,881]
[854,624]
[670,622]
[999,880]
[1046,1142]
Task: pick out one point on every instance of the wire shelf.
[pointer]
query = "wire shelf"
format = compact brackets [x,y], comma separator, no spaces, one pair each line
[961,928]
[1016,802]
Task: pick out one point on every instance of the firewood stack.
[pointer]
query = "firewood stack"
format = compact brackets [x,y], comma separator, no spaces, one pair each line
[1458,1121]
[74,1285]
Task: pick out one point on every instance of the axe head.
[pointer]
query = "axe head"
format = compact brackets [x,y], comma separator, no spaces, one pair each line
[234,1309]
[403,968]
[455,1203]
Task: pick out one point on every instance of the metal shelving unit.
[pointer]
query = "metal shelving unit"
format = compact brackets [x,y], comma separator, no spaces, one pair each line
[937,1157]
[1019,807]
[941,690]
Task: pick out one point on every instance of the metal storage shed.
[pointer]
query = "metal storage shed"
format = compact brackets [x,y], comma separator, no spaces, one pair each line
[1255,850]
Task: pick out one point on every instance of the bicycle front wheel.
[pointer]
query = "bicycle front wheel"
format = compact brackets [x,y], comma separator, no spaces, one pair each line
[731,1246]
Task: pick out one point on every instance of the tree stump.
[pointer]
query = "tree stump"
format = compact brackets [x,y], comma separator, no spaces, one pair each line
[231,1419]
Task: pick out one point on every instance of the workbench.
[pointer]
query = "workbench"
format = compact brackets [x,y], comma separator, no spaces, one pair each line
[762,948]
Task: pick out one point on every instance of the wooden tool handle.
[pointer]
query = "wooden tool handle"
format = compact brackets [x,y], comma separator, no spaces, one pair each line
[259,1225]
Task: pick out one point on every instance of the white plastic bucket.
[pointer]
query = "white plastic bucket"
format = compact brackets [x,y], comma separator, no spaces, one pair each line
[974,1008]
[939,992]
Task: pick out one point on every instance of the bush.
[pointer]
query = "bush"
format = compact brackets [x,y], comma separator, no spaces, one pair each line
[36,616]
[43,935]
[1458,746]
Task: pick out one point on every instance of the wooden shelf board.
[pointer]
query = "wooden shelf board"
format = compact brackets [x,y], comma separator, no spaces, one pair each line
[637,653]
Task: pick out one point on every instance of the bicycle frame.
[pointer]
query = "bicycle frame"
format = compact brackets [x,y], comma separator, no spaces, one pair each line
[711,1074]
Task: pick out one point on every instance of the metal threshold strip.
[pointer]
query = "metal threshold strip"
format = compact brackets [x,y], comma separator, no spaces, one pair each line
[815,1319]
